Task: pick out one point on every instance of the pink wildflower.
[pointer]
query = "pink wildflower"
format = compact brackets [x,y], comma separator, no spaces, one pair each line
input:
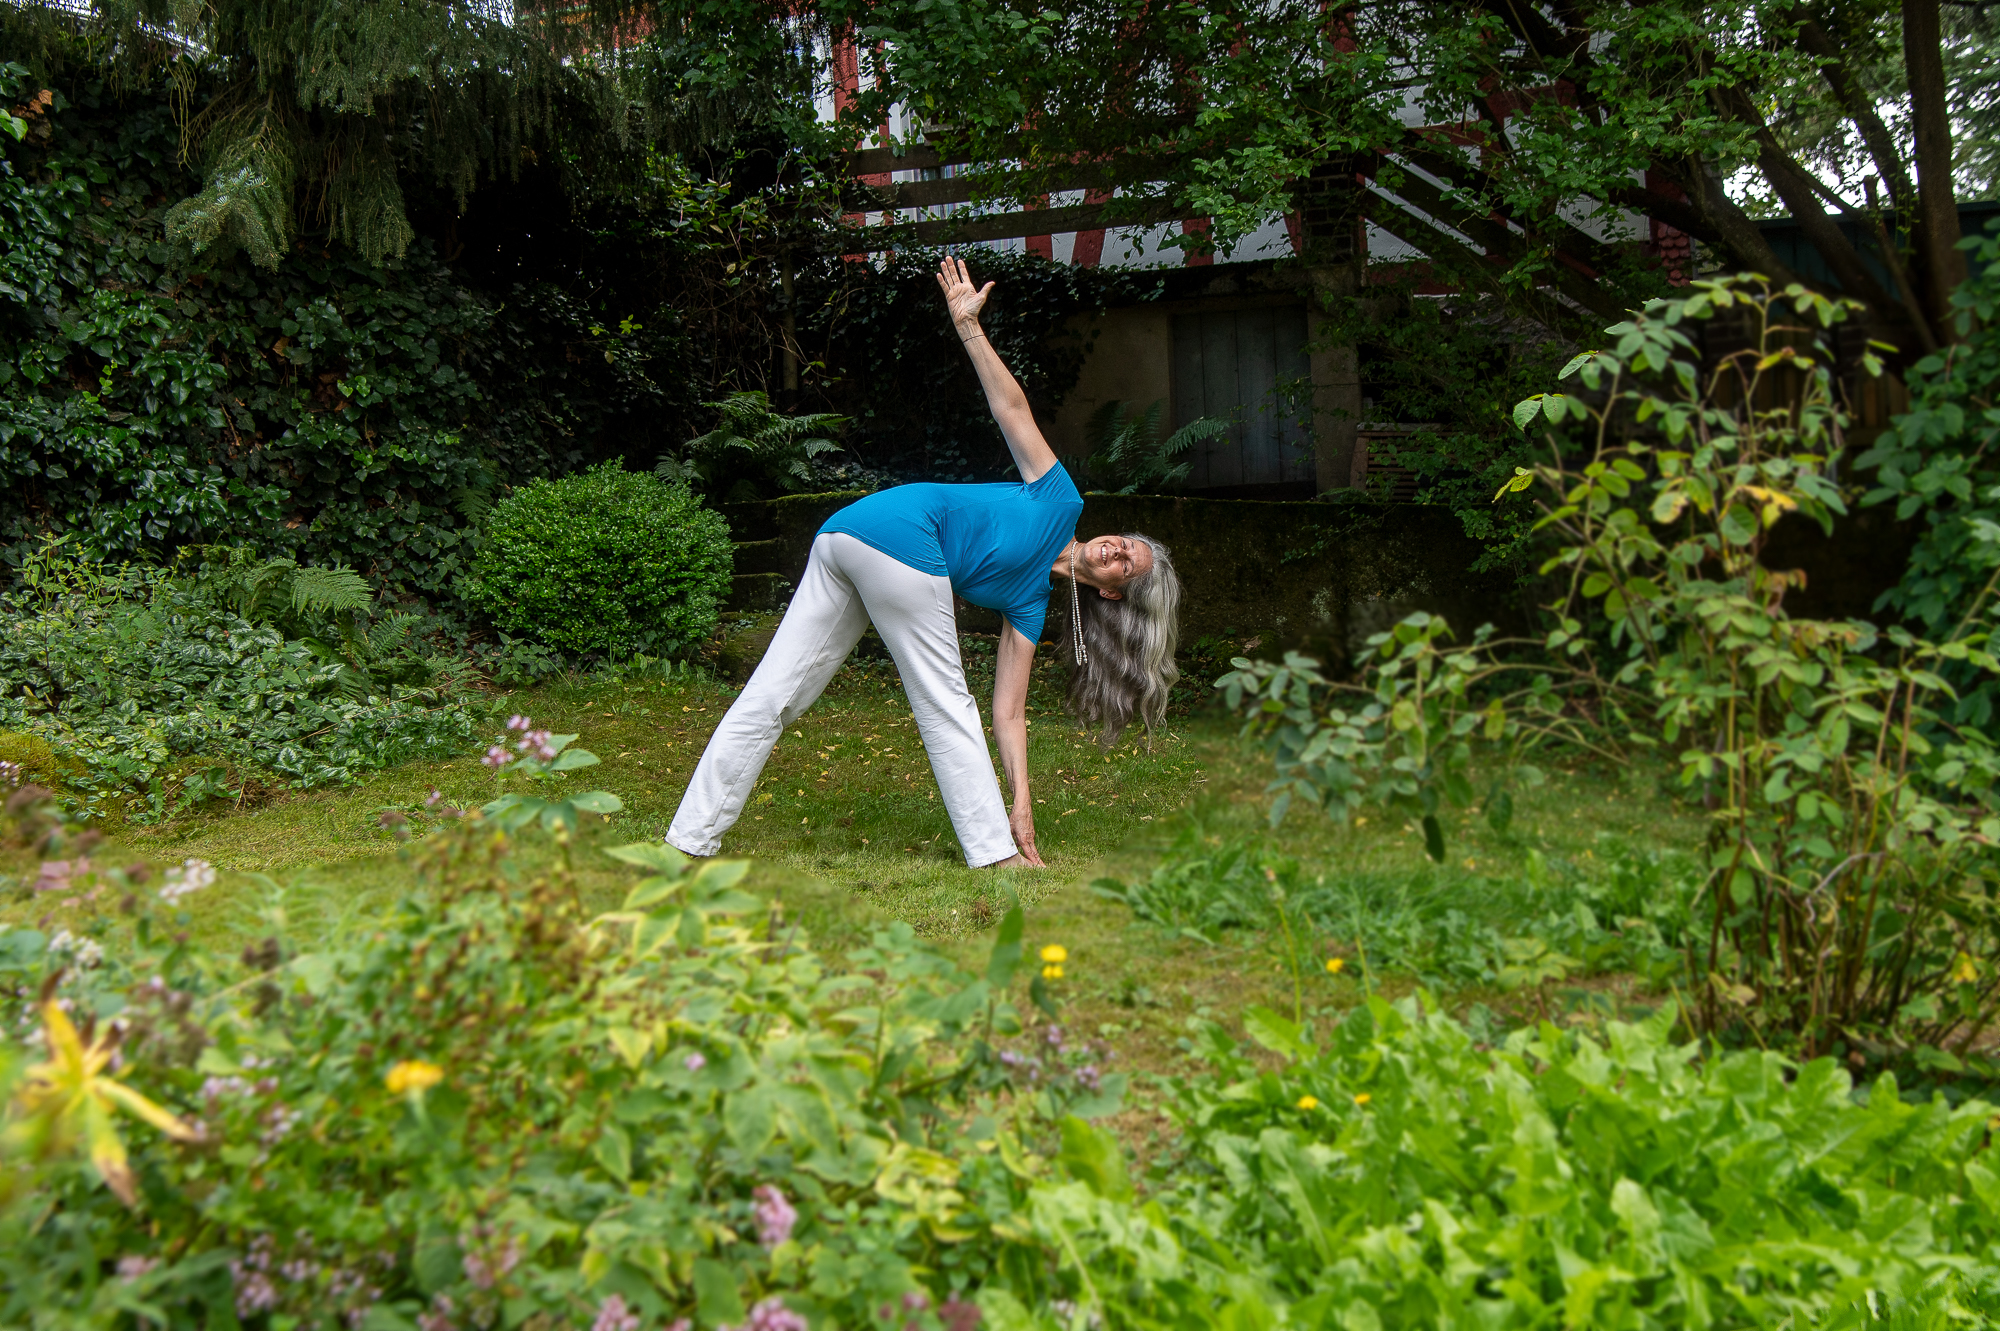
[613,1315]
[771,1315]
[775,1215]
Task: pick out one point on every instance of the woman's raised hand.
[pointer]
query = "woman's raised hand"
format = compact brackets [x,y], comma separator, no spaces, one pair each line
[963,299]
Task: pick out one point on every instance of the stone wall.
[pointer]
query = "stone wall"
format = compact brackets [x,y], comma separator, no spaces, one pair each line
[1316,576]
[1323,577]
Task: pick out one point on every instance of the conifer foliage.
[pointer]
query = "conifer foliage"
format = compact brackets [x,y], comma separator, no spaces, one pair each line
[312,117]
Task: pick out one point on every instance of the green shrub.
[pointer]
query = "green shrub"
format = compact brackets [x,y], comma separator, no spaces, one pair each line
[1848,880]
[607,560]
[1628,910]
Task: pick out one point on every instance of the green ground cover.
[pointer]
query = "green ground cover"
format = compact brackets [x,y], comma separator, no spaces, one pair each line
[470,1087]
[846,831]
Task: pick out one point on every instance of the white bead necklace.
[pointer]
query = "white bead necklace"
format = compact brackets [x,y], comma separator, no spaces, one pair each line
[1076,610]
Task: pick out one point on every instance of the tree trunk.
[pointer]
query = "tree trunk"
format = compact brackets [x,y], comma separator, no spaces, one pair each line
[1937,202]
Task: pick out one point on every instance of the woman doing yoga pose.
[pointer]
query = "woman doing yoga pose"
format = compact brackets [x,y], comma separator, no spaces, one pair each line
[895,558]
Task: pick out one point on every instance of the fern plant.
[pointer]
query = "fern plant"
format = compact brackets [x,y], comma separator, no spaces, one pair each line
[1129,455]
[326,609]
[752,449]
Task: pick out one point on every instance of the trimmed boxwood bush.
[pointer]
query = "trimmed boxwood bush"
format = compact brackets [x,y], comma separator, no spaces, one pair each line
[606,560]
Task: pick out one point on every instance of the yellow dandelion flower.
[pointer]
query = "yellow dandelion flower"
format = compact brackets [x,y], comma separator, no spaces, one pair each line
[1055,954]
[1051,972]
[1363,1098]
[1335,965]
[413,1075]
[1308,1102]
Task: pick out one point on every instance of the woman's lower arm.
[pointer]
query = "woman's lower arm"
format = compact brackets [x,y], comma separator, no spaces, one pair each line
[1016,658]
[1011,735]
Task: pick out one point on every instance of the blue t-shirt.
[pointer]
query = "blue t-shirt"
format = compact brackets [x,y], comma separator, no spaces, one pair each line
[995,542]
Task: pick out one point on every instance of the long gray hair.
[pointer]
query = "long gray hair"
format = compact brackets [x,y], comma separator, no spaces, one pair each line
[1130,649]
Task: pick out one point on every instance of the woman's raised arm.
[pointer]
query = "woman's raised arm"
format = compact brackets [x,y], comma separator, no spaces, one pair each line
[1004,398]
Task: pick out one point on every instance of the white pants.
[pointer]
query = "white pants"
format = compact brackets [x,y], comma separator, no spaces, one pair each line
[847,583]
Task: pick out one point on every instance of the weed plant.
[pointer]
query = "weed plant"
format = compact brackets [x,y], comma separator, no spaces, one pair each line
[151,690]
[1626,909]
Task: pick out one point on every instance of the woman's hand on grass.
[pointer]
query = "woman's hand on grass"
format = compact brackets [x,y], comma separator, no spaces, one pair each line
[1022,823]
[963,299]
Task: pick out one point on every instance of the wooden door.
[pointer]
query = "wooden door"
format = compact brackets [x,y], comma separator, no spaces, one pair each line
[1247,367]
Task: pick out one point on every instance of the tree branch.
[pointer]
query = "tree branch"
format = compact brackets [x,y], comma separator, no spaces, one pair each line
[1881,145]
[1796,189]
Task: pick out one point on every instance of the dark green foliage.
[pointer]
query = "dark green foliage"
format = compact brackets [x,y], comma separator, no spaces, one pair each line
[1939,460]
[1130,453]
[329,411]
[157,689]
[899,374]
[331,121]
[328,610]
[608,560]
[491,1100]
[1449,369]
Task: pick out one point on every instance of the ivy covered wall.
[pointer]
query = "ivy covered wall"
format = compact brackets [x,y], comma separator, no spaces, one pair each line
[329,409]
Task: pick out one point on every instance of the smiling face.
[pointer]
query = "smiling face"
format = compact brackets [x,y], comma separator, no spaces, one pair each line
[1108,563]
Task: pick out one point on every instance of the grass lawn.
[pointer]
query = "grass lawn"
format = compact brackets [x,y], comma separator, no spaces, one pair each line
[846,830]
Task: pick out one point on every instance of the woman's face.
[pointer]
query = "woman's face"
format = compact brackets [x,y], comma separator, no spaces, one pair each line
[1108,563]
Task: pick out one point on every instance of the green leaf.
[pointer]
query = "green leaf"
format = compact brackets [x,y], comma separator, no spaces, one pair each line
[1108,1100]
[651,891]
[1005,959]
[716,1300]
[1039,995]
[717,875]
[1275,1033]
[655,930]
[614,1151]
[1520,480]
[573,759]
[436,1263]
[1093,1157]
[750,1118]
[656,855]
[1433,838]
[597,801]
[1525,411]
[1500,811]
